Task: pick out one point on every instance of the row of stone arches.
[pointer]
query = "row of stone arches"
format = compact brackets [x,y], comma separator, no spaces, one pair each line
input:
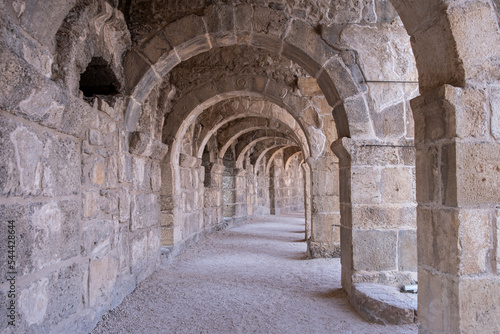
[445,192]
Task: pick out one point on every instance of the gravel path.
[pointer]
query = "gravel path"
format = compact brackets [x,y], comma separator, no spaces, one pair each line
[250,279]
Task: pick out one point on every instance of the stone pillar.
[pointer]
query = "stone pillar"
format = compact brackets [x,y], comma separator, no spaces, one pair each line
[458,194]
[325,214]
[213,195]
[378,226]
[228,193]
[251,194]
[241,194]
[307,199]
[273,195]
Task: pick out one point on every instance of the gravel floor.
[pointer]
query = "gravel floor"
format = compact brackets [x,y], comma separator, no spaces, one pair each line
[250,279]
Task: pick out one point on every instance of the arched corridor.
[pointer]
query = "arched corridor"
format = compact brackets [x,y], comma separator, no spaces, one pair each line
[133,129]
[254,278]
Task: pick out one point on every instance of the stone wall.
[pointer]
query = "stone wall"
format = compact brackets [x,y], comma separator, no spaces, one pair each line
[286,188]
[84,203]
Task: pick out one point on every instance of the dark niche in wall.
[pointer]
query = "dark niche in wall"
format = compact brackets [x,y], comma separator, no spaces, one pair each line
[98,79]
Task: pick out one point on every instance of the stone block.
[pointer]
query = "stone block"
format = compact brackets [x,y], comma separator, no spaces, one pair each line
[97,238]
[158,150]
[388,123]
[21,168]
[269,22]
[62,166]
[309,87]
[397,185]
[323,226]
[374,250]
[167,236]
[305,47]
[475,241]
[383,216]
[186,178]
[91,207]
[124,205]
[438,235]
[95,137]
[167,219]
[365,185]
[219,18]
[135,69]
[122,246]
[112,171]
[141,174]
[407,250]
[155,47]
[268,42]
[102,278]
[341,77]
[384,304]
[140,143]
[124,168]
[243,18]
[155,176]
[477,62]
[145,211]
[357,110]
[479,311]
[472,188]
[46,234]
[185,29]
[437,302]
[324,204]
[471,114]
[139,251]
[98,173]
[50,299]
[325,183]
[427,176]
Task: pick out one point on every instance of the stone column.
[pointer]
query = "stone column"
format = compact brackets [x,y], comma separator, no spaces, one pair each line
[228,193]
[377,206]
[273,191]
[241,210]
[213,195]
[325,215]
[458,194]
[307,199]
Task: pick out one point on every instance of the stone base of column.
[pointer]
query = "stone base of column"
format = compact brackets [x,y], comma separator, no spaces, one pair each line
[322,250]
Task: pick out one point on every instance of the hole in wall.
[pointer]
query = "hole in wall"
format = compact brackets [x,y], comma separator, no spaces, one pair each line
[98,79]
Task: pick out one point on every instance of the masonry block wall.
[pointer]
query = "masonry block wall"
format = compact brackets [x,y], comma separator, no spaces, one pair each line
[97,174]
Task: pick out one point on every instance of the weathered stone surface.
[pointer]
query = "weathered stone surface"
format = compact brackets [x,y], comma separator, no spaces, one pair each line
[475,241]
[407,250]
[46,234]
[51,299]
[439,235]
[305,47]
[145,211]
[102,278]
[98,238]
[384,216]
[397,185]
[478,305]
[478,187]
[384,304]
[21,169]
[374,250]
[61,172]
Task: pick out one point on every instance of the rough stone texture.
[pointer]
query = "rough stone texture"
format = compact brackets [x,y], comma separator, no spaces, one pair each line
[384,305]
[224,110]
